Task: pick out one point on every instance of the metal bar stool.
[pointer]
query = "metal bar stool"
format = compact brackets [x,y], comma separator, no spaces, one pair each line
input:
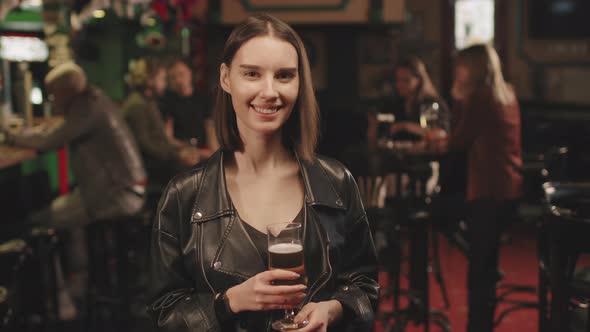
[112,265]
[567,231]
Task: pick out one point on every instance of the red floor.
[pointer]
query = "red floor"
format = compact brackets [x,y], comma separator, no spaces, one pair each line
[518,261]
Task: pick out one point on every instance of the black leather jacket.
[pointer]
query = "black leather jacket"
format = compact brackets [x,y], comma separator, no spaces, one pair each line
[200,248]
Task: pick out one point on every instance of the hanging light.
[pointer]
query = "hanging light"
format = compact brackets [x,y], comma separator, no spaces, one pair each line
[99,13]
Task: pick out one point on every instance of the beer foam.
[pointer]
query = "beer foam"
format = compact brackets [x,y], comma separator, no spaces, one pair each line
[285,248]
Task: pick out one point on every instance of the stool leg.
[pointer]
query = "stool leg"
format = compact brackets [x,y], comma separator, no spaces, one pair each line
[436,268]
[92,282]
[123,248]
[418,269]
[543,289]
[50,268]
[559,288]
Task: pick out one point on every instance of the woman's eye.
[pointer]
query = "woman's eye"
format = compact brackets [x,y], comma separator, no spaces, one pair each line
[251,74]
[285,76]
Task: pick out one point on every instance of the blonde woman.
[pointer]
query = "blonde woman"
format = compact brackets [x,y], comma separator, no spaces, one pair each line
[487,127]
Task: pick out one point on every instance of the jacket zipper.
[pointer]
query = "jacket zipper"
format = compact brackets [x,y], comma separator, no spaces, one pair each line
[327,255]
[200,230]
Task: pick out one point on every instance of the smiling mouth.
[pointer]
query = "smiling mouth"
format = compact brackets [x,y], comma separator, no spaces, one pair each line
[266,109]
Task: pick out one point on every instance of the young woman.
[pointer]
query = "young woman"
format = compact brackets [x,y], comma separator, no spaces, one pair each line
[415,94]
[488,129]
[209,248]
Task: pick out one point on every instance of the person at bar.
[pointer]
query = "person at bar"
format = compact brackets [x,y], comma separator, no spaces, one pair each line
[187,109]
[164,156]
[419,111]
[488,129]
[104,159]
[209,243]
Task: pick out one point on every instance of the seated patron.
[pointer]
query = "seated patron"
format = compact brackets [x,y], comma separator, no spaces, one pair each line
[163,155]
[419,113]
[187,109]
[104,158]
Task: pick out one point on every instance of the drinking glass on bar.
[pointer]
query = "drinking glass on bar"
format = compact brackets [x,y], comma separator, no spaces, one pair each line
[285,252]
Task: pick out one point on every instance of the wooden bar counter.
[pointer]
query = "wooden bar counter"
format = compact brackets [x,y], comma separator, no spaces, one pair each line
[12,155]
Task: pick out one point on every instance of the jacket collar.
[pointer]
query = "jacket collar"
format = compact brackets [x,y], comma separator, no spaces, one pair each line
[213,200]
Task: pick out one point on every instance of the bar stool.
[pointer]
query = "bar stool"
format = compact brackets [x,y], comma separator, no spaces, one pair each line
[412,213]
[567,228]
[28,284]
[112,251]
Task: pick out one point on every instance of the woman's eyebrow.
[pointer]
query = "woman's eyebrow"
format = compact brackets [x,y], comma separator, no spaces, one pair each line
[254,67]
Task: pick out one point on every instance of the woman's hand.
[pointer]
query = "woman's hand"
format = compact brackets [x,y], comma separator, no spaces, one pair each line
[408,126]
[188,155]
[320,315]
[259,294]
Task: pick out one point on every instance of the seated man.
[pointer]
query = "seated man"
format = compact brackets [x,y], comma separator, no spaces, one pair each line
[188,109]
[104,158]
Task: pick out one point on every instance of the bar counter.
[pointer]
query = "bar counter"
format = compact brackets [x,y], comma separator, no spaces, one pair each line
[12,155]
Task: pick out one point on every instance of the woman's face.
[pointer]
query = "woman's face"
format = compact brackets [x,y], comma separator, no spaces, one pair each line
[406,83]
[460,83]
[181,79]
[158,83]
[263,82]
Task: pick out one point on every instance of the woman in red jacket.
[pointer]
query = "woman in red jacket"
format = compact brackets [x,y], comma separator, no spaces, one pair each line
[487,127]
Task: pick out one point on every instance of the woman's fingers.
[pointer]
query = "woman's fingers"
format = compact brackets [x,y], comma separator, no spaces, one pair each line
[304,313]
[281,300]
[312,326]
[265,286]
[271,275]
[281,290]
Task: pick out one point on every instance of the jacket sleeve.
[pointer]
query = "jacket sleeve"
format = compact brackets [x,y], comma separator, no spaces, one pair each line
[177,305]
[80,120]
[357,288]
[152,141]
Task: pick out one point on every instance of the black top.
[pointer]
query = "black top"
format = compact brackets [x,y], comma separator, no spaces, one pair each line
[189,114]
[260,240]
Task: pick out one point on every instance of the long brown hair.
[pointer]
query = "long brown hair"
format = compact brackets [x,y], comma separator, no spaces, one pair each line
[301,130]
[426,89]
[485,72]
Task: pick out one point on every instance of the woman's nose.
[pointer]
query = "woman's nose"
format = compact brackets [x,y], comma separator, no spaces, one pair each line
[269,89]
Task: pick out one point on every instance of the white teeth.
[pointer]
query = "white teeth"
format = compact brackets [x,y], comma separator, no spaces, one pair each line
[266,110]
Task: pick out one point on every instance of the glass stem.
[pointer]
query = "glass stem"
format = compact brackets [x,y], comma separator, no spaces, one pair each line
[289,315]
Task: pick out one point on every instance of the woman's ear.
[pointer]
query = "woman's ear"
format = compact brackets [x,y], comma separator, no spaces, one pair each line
[224,78]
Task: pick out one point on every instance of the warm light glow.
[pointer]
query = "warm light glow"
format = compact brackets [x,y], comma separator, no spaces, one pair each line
[14,48]
[151,21]
[36,96]
[28,4]
[474,22]
[99,13]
